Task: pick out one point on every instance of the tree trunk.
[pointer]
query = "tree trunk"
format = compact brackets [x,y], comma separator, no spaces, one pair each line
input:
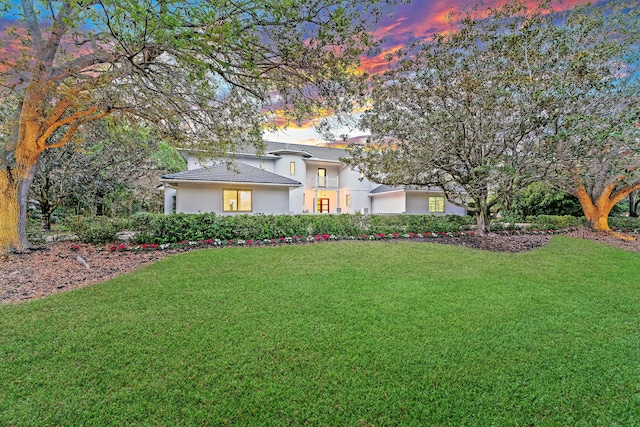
[483,217]
[597,214]
[45,220]
[14,190]
[633,204]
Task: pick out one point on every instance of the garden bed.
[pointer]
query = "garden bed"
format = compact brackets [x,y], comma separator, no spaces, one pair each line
[57,267]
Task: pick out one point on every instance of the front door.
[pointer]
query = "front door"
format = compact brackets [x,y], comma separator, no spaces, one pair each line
[323,205]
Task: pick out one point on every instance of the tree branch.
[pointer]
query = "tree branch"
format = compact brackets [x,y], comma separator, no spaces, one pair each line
[33,26]
[74,127]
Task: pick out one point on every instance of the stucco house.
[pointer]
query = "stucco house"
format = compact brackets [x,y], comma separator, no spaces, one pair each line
[291,179]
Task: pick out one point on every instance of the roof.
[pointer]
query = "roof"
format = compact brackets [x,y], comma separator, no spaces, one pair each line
[241,172]
[309,151]
[388,189]
[274,149]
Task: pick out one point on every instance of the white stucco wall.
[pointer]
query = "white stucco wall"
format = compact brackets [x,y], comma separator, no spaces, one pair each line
[282,165]
[262,163]
[200,198]
[417,203]
[393,202]
[453,209]
[360,201]
[296,196]
[271,200]
[195,163]
[312,171]
[350,184]
[169,194]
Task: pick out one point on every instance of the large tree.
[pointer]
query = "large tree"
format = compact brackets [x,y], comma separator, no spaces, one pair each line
[462,111]
[594,82]
[205,72]
[512,95]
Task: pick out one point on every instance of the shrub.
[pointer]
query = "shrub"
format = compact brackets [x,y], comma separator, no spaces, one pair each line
[553,222]
[98,229]
[541,199]
[625,223]
[34,230]
[173,228]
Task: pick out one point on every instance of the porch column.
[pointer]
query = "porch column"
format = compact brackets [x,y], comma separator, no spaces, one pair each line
[315,202]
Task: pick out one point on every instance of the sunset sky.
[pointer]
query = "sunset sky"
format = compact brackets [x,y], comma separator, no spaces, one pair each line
[416,20]
[419,19]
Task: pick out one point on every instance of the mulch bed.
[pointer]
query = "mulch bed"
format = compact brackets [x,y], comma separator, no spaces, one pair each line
[55,268]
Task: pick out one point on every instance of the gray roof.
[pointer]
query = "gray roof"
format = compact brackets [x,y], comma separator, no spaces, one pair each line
[388,188]
[385,189]
[309,151]
[240,172]
[272,148]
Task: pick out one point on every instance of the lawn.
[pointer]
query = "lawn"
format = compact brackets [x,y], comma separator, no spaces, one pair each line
[345,333]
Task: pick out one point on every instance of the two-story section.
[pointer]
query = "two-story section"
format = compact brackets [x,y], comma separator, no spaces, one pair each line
[294,179]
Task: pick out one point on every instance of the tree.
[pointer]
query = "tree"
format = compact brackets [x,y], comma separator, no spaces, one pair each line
[462,111]
[593,80]
[205,73]
[109,157]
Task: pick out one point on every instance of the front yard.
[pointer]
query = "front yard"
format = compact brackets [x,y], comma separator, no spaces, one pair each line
[348,333]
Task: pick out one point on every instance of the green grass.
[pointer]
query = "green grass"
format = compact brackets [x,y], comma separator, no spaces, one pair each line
[347,333]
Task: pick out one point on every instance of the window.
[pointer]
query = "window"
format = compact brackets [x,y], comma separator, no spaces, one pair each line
[236,201]
[322,175]
[292,168]
[436,204]
[348,200]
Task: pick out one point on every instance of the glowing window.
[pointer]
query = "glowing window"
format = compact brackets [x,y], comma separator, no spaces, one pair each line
[292,168]
[236,201]
[436,204]
[348,200]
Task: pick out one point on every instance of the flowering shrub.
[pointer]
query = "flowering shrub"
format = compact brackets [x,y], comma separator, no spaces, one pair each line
[309,238]
[118,248]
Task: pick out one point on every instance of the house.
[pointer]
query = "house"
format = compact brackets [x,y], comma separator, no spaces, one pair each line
[291,179]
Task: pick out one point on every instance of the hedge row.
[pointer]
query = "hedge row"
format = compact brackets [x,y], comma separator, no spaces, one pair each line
[162,229]
[178,227]
[558,222]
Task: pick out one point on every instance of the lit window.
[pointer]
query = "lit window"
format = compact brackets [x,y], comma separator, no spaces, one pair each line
[322,177]
[436,204]
[348,199]
[236,201]
[292,168]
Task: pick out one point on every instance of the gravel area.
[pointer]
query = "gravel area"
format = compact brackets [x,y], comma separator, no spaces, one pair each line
[55,268]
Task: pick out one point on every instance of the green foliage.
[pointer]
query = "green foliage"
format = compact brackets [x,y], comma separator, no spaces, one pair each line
[554,222]
[541,199]
[34,230]
[178,227]
[625,223]
[96,229]
[342,334]
[167,158]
